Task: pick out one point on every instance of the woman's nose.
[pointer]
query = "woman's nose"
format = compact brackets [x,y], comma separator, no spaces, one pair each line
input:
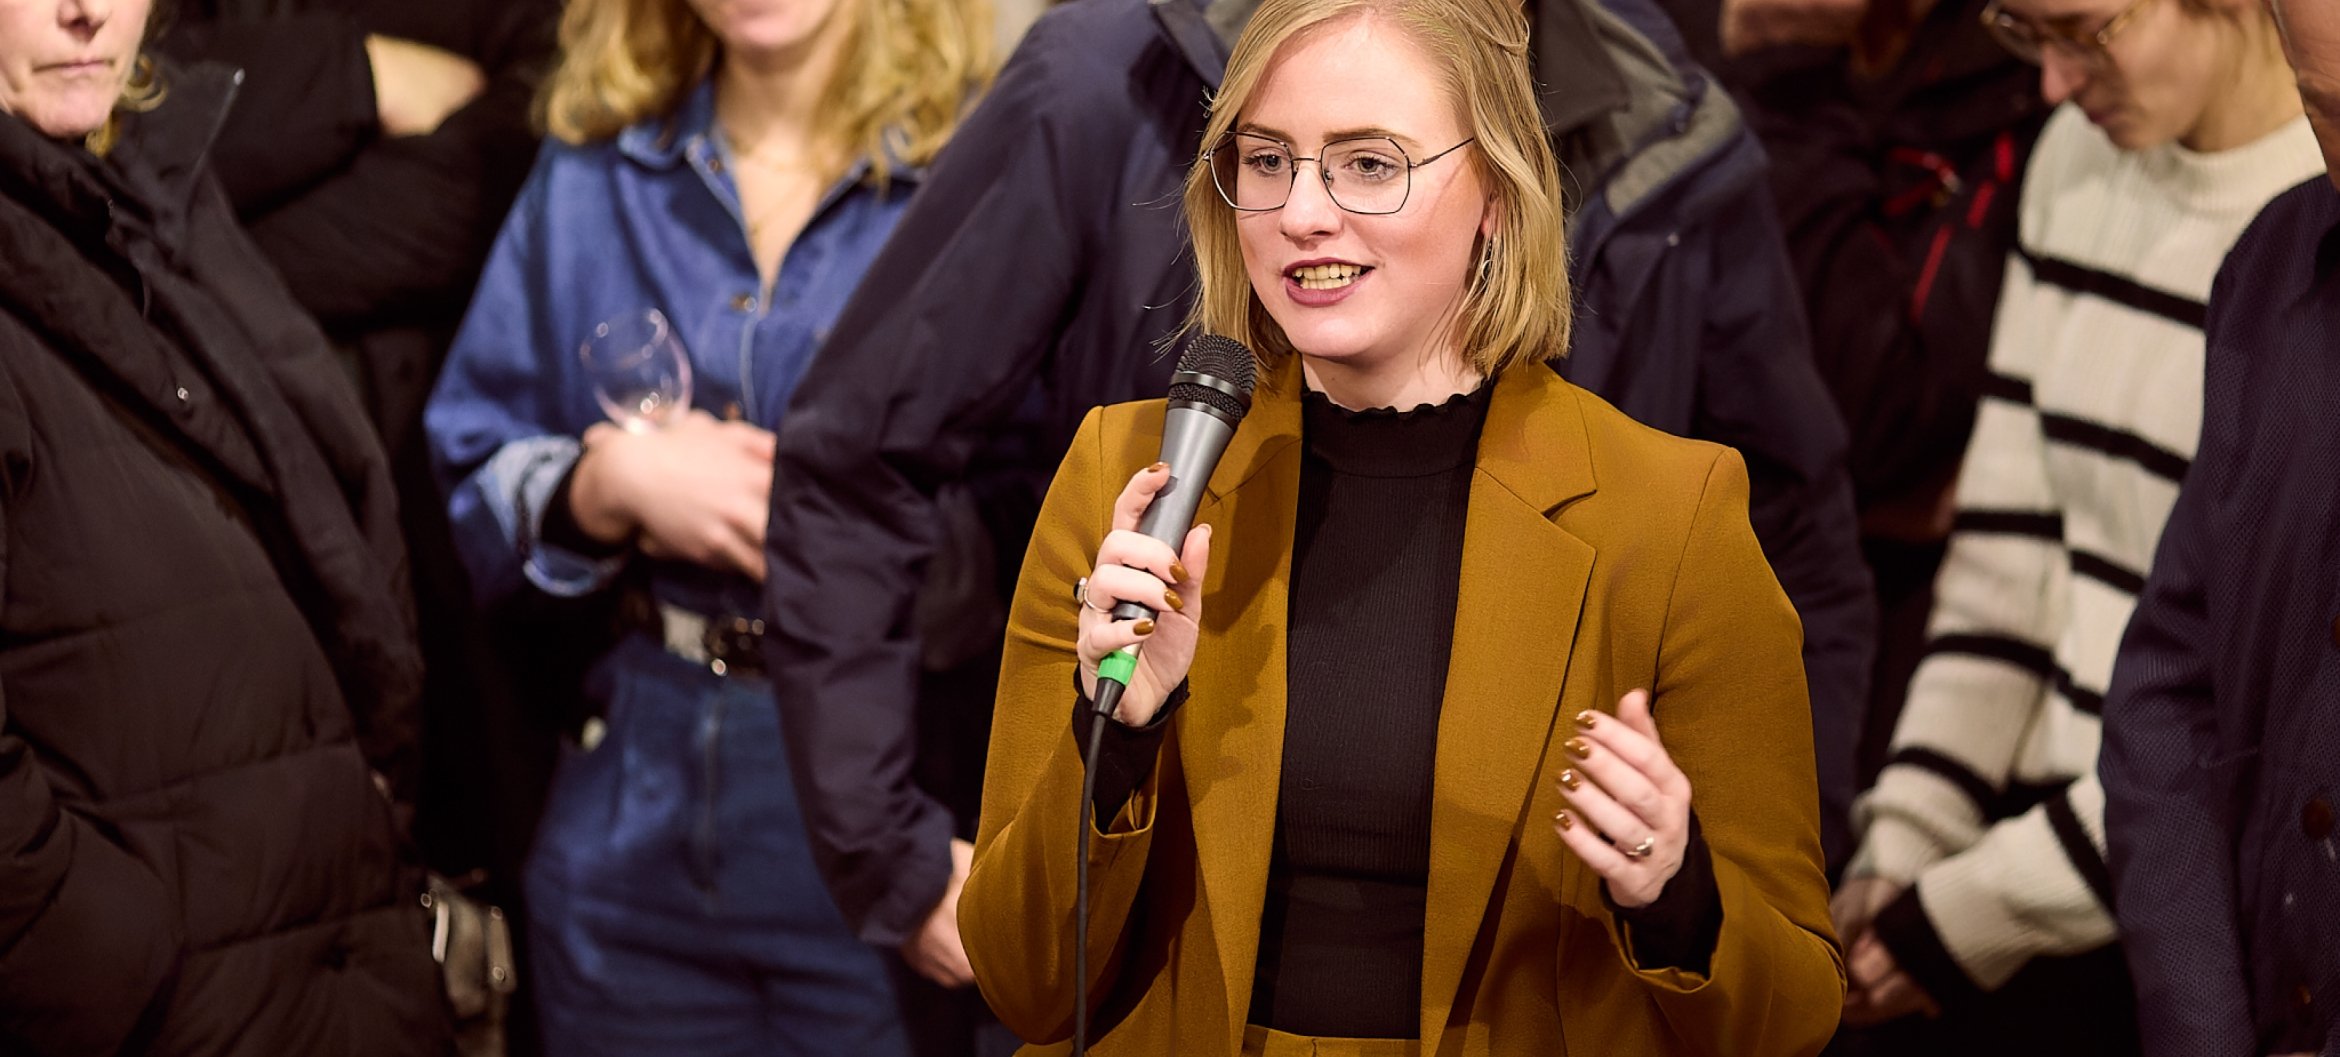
[1310,210]
[2061,76]
[84,17]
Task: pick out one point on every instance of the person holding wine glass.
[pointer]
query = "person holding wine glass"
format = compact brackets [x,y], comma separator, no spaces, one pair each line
[720,174]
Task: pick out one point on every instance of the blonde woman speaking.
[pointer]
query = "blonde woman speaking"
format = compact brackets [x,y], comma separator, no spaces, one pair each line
[1472,721]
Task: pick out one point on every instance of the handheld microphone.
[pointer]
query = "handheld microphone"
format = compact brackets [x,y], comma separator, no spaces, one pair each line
[1209,396]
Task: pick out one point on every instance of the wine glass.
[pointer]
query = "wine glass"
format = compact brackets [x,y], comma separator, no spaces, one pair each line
[640,373]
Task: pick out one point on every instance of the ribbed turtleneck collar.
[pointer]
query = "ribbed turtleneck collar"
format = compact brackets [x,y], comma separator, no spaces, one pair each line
[1387,442]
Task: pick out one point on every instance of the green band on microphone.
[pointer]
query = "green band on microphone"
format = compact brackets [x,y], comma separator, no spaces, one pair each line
[1119,665]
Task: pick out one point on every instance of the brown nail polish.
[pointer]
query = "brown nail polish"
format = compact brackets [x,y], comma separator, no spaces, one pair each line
[1143,627]
[1170,598]
[1178,572]
[1158,467]
[1578,747]
[1586,719]
[1565,819]
[1570,780]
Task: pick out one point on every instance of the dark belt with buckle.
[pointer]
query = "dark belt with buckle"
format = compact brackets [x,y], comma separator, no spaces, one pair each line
[726,645]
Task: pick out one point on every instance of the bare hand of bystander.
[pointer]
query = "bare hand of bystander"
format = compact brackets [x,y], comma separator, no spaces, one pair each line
[935,951]
[1881,990]
[417,86]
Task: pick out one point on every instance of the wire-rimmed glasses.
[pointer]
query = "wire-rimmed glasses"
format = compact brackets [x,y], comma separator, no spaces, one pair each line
[2028,39]
[1368,175]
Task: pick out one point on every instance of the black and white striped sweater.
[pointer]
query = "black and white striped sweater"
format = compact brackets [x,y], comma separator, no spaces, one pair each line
[1990,802]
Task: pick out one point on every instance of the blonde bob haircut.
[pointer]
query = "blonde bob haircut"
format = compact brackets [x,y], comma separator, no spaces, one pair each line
[1515,309]
[908,69]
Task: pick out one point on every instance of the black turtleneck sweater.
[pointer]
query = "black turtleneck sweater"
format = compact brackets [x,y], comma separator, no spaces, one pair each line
[1376,565]
[1376,569]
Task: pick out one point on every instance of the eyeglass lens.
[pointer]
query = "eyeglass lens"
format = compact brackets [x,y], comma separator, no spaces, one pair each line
[2028,39]
[1368,175]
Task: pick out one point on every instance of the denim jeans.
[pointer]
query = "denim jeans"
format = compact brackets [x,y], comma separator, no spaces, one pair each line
[674,904]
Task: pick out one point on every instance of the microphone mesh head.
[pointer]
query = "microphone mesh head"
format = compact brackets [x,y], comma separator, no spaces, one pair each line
[1224,359]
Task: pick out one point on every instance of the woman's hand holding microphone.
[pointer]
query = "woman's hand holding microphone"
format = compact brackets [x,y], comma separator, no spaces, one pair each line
[1132,567]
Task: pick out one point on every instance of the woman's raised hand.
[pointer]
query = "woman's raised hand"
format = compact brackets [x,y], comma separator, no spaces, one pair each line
[1629,807]
[1136,568]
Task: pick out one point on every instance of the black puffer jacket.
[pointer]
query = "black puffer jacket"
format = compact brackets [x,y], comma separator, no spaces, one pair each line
[203,643]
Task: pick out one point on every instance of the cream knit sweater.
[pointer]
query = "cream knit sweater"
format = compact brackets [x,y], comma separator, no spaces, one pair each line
[1990,802]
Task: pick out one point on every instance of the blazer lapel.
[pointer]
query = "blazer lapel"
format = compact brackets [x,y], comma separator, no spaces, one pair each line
[1231,737]
[1522,591]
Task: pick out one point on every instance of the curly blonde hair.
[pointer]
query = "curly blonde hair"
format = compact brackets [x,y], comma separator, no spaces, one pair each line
[1516,309]
[909,67]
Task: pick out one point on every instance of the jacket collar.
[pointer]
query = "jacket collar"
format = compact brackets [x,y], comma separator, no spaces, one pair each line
[1203,32]
[690,133]
[1674,128]
[663,141]
[1533,445]
[1578,80]
[1523,581]
[152,176]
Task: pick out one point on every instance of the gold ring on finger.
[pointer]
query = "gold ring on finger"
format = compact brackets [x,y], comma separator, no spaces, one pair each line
[1081,595]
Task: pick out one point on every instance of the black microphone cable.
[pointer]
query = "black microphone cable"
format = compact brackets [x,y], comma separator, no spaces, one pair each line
[1108,701]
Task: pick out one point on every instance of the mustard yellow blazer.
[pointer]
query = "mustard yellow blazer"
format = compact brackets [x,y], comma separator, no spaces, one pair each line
[1600,556]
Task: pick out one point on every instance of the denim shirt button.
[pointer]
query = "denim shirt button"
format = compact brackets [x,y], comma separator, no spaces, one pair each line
[743,302]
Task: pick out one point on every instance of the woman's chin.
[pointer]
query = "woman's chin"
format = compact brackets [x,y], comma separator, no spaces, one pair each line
[67,119]
[1330,354]
[1332,344]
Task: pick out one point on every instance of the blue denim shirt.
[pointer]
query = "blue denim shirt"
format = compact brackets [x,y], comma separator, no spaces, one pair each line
[650,220]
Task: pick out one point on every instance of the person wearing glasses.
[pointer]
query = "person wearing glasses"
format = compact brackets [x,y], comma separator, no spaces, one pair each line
[1980,896]
[1040,272]
[1471,721]
[719,176]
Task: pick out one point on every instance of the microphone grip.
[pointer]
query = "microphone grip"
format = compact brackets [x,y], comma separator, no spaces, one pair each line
[1192,441]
